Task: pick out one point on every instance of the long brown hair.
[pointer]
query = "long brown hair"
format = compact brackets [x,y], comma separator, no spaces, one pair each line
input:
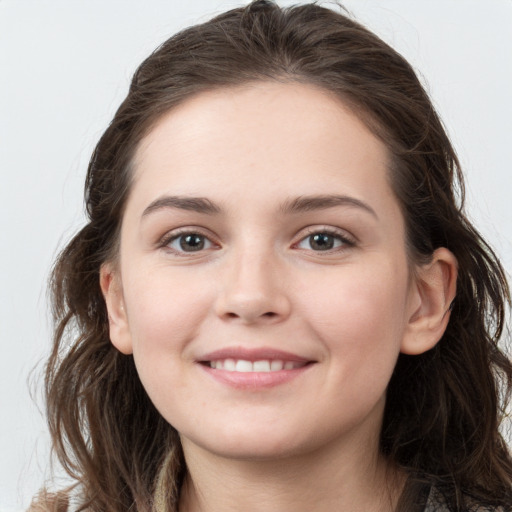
[444,407]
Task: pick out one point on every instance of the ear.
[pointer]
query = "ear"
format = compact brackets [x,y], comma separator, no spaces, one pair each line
[433,290]
[110,283]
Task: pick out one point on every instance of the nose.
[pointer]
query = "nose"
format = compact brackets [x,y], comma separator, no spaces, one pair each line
[253,290]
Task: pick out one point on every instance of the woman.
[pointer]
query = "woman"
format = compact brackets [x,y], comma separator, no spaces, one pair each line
[277,303]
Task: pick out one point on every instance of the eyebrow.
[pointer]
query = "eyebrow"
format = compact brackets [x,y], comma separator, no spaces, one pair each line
[194,204]
[297,205]
[323,202]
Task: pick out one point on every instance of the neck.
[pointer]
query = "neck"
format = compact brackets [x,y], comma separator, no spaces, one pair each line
[351,477]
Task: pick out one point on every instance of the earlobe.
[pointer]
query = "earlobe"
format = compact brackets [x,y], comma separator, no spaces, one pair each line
[433,292]
[117,318]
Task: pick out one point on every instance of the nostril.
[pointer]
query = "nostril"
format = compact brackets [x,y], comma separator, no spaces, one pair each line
[268,314]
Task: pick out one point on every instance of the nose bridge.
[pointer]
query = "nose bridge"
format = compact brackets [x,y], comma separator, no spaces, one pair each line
[252,286]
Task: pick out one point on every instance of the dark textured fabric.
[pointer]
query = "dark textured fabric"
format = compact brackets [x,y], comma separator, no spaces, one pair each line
[437,503]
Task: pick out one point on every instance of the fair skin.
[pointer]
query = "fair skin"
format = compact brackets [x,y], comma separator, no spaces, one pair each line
[261,233]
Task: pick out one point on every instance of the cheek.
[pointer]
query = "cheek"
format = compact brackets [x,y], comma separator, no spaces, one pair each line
[164,315]
[360,315]
[165,310]
[361,325]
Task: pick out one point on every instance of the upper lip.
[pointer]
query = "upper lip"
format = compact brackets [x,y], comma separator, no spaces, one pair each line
[252,354]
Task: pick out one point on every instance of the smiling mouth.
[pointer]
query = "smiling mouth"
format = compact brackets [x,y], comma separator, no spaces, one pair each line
[261,366]
[254,369]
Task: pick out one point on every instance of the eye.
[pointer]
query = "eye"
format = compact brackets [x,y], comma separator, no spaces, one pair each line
[189,242]
[324,241]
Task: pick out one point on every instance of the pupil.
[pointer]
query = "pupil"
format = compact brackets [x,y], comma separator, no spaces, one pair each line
[321,242]
[192,242]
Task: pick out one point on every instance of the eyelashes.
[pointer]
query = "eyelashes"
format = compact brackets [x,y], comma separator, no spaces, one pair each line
[190,242]
[194,242]
[187,241]
[325,240]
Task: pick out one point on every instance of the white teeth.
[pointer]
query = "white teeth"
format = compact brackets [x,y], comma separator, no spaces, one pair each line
[262,366]
[275,366]
[229,365]
[241,365]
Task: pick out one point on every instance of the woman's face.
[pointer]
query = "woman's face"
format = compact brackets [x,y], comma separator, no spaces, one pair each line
[263,283]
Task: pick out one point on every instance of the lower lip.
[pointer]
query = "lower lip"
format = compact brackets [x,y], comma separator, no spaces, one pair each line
[255,380]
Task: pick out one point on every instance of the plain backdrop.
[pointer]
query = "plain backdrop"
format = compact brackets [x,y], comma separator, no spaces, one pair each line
[64,68]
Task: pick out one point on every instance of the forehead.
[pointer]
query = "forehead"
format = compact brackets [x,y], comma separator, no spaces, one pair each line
[263,137]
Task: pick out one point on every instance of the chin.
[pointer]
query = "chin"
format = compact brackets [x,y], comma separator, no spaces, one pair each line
[245,442]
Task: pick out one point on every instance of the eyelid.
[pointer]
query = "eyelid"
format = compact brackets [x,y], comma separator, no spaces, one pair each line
[348,239]
[164,241]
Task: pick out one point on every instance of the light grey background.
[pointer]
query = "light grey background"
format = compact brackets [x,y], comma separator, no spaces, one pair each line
[64,68]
